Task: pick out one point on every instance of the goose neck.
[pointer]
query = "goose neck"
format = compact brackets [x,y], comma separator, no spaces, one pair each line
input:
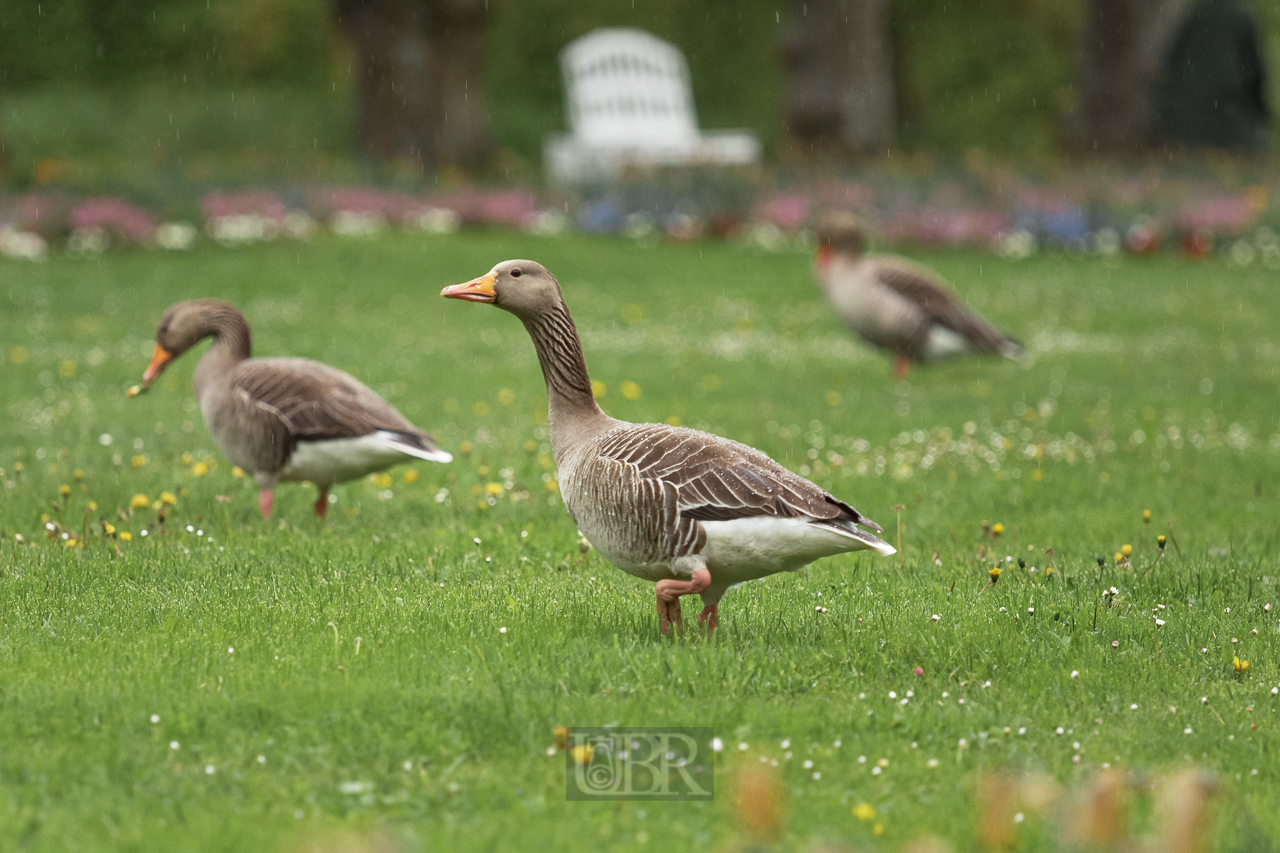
[572,411]
[232,344]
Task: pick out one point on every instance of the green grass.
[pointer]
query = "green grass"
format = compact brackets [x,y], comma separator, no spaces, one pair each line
[369,651]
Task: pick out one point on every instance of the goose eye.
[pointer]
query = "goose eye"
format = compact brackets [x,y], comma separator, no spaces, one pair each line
[515,273]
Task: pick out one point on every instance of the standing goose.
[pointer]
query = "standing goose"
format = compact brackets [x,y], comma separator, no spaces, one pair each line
[692,511]
[897,305]
[288,419]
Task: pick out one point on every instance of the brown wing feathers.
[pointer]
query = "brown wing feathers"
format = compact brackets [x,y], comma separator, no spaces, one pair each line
[719,480]
[316,401]
[939,304]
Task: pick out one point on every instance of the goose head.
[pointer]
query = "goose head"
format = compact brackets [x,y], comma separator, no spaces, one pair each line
[181,328]
[525,288]
[839,233]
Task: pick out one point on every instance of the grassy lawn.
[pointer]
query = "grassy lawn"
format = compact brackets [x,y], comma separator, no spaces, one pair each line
[354,678]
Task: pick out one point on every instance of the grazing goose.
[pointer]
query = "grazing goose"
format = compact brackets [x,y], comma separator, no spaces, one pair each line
[692,511]
[288,419]
[897,305]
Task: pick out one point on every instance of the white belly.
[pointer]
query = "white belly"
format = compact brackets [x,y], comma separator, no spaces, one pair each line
[336,460]
[748,548]
[943,342]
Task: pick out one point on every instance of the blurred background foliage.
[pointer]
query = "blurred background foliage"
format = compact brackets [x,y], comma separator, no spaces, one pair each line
[264,87]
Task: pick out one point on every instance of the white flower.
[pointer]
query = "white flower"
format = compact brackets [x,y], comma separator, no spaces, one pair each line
[808,765]
[155,718]
[931,763]
[1159,623]
[742,747]
[1075,673]
[717,745]
[502,630]
[935,617]
[173,744]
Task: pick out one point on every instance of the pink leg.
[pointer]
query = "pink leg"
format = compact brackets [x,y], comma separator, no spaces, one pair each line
[265,497]
[901,367]
[669,592]
[322,503]
[709,616]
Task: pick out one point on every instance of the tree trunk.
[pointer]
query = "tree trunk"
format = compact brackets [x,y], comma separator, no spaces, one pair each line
[839,75]
[419,89]
[1123,46]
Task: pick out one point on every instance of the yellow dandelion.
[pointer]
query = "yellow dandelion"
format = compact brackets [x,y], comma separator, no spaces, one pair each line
[44,518]
[411,476]
[19,355]
[78,474]
[1146,516]
[71,543]
[506,397]
[562,736]
[1240,665]
[530,445]
[673,421]
[168,498]
[630,390]
[108,528]
[481,408]
[139,501]
[598,388]
[184,492]
[67,368]
[238,472]
[93,506]
[18,466]
[997,528]
[1160,540]
[482,470]
[1119,557]
[382,480]
[200,469]
[482,504]
[138,460]
[1127,550]
[493,488]
[878,829]
[864,811]
[582,753]
[126,536]
[187,458]
[64,490]
[553,486]
[995,574]
[465,447]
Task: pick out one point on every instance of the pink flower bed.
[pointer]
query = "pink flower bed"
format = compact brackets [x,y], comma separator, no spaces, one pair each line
[124,222]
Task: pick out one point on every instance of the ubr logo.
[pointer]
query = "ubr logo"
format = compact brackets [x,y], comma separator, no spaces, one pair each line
[608,763]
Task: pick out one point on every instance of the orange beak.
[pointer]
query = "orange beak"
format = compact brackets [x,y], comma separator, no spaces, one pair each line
[159,361]
[477,290]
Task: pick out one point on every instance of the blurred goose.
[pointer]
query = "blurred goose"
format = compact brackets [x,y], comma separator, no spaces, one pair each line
[692,511]
[897,305]
[289,419]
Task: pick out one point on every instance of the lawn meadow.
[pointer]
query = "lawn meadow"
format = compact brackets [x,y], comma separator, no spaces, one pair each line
[391,680]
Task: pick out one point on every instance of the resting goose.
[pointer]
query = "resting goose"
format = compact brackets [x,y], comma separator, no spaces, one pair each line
[289,419]
[897,305]
[692,511]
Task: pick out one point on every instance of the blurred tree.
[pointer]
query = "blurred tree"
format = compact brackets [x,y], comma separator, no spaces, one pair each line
[839,74]
[1214,88]
[419,78]
[1122,46]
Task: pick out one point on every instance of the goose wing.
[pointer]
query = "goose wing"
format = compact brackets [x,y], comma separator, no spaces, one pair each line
[714,479]
[315,401]
[932,296]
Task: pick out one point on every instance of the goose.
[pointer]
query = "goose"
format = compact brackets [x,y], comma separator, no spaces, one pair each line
[693,512]
[283,419]
[897,305]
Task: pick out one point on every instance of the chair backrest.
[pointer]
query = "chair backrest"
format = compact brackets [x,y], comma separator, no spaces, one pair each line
[628,88]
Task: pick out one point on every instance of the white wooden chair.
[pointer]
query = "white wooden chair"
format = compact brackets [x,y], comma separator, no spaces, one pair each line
[629,103]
